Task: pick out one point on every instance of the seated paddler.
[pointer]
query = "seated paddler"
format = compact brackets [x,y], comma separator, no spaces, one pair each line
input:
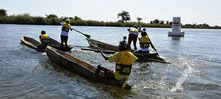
[124,60]
[145,43]
[45,40]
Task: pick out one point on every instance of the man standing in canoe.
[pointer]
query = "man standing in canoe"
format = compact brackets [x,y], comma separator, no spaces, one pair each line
[44,38]
[145,43]
[133,34]
[64,31]
[124,60]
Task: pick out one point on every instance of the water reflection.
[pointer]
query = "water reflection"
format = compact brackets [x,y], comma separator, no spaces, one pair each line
[175,38]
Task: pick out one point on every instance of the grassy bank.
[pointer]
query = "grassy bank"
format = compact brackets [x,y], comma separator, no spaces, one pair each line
[36,20]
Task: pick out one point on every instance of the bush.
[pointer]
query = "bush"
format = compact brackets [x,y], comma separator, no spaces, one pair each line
[40,21]
[20,19]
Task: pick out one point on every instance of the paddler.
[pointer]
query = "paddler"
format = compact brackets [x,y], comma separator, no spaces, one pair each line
[133,34]
[124,60]
[145,43]
[44,38]
[66,26]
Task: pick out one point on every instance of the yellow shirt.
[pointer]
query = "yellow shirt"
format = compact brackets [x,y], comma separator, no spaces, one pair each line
[116,58]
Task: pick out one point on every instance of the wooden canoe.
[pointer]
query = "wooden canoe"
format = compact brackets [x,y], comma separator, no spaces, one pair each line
[79,67]
[108,48]
[33,44]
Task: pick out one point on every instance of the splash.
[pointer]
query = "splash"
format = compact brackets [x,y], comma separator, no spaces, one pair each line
[183,77]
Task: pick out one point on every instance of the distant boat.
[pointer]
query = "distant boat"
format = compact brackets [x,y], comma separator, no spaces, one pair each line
[176,28]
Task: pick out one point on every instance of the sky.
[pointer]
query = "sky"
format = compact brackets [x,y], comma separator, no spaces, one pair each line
[190,11]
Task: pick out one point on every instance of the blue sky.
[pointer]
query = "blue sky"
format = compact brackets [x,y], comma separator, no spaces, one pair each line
[190,11]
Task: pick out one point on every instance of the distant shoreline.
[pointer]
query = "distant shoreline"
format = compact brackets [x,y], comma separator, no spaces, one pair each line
[184,27]
[32,20]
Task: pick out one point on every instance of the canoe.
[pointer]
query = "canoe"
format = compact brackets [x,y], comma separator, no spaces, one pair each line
[79,67]
[109,48]
[33,44]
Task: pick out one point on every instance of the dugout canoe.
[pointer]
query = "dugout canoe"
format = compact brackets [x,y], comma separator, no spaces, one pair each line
[110,49]
[33,44]
[79,67]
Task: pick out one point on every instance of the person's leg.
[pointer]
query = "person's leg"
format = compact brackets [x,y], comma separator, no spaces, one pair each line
[107,72]
[66,40]
[39,46]
[62,39]
[129,40]
[123,84]
[135,41]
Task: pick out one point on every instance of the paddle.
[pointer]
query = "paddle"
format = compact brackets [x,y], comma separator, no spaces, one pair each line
[88,36]
[154,47]
[104,56]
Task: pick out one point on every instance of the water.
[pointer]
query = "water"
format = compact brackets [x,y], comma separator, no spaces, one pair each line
[194,71]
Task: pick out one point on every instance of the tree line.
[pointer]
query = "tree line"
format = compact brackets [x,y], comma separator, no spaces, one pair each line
[124,21]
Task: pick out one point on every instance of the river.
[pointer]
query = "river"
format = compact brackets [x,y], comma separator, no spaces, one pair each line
[194,71]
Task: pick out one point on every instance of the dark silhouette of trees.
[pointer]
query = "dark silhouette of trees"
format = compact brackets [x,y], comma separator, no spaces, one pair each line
[156,21]
[77,18]
[3,12]
[124,15]
[161,22]
[51,16]
[26,18]
[139,19]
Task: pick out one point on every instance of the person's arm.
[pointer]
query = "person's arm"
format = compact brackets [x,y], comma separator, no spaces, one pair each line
[71,28]
[151,44]
[128,29]
[57,21]
[104,56]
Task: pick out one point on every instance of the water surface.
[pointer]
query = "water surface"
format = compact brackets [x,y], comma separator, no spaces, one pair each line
[194,71]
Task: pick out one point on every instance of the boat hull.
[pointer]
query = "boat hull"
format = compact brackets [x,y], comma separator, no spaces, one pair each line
[33,44]
[110,49]
[79,67]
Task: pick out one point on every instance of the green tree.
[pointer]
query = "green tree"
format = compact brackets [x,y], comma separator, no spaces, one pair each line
[51,16]
[3,12]
[156,21]
[124,15]
[161,22]
[40,21]
[77,18]
[139,19]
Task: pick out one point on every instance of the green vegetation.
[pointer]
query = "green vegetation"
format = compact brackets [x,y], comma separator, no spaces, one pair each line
[77,21]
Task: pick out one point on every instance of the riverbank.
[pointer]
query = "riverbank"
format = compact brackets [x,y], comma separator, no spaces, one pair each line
[76,21]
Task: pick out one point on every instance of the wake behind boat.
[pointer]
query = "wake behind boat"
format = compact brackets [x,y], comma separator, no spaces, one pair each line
[108,48]
[33,44]
[81,68]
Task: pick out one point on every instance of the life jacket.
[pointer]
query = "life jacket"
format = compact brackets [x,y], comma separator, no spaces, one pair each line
[124,65]
[133,31]
[66,27]
[44,38]
[144,42]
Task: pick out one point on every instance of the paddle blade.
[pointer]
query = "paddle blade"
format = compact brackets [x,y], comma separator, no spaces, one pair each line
[88,36]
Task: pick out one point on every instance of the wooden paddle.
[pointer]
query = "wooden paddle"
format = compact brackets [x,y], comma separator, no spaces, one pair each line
[88,36]
[154,47]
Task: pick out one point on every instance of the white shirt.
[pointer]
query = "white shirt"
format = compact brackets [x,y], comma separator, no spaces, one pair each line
[144,49]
